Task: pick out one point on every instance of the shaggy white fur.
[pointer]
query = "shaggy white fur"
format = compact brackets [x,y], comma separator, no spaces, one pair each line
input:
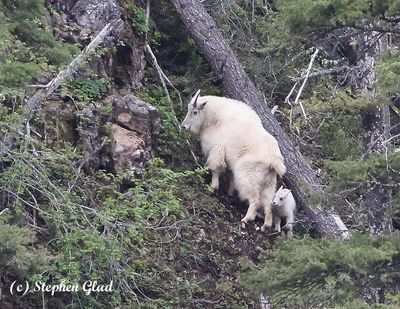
[232,136]
[284,206]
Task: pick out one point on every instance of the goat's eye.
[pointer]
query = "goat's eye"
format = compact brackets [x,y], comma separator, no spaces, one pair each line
[195,112]
[281,198]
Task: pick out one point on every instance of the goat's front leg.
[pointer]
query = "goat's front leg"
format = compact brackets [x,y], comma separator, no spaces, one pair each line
[216,163]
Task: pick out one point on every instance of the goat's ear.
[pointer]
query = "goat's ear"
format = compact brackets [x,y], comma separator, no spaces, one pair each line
[201,105]
[195,97]
[280,188]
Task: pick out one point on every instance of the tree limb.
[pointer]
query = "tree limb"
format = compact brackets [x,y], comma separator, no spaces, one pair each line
[296,101]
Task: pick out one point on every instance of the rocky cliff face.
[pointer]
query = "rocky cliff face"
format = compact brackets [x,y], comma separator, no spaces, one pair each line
[135,123]
[132,122]
[78,21]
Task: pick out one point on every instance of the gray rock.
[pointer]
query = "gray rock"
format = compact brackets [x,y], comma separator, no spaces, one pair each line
[135,124]
[94,14]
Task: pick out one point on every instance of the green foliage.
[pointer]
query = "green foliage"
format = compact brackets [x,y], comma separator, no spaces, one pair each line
[310,15]
[377,167]
[19,253]
[172,142]
[341,137]
[92,238]
[30,28]
[138,17]
[351,178]
[382,7]
[27,47]
[309,273]
[196,60]
[17,73]
[86,89]
[388,70]
[142,26]
[335,124]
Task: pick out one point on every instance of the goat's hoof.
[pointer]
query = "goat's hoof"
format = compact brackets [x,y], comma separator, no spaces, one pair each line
[268,224]
[247,219]
[214,186]
[211,189]
[264,227]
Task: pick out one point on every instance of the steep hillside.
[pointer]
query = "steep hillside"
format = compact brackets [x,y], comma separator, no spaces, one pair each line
[100,185]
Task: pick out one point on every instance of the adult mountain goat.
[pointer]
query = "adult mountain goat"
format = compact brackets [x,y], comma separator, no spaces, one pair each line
[233,137]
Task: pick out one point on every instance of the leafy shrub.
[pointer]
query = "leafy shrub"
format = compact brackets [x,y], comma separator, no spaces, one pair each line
[27,47]
[309,273]
[98,232]
[138,17]
[341,137]
[85,89]
[17,73]
[19,253]
[172,143]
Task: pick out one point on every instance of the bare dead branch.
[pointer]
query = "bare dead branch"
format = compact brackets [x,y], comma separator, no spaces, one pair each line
[296,101]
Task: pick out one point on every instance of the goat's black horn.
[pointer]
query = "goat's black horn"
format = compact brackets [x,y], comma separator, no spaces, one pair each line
[196,96]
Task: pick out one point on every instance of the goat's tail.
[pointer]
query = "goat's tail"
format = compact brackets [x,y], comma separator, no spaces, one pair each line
[278,166]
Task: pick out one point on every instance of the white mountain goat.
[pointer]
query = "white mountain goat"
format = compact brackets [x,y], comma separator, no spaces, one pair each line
[284,206]
[233,137]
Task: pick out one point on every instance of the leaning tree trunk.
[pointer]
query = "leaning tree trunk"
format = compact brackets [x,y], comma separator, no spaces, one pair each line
[299,177]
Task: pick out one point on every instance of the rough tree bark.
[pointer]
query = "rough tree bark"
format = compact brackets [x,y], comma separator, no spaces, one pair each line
[376,124]
[239,86]
[358,47]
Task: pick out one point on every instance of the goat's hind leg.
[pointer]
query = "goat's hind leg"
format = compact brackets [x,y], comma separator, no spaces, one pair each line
[266,197]
[251,211]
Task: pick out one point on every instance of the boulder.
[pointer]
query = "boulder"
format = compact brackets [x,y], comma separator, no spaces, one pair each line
[135,124]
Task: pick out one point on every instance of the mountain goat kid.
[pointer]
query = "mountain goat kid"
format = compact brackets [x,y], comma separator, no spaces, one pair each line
[232,137]
[284,206]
